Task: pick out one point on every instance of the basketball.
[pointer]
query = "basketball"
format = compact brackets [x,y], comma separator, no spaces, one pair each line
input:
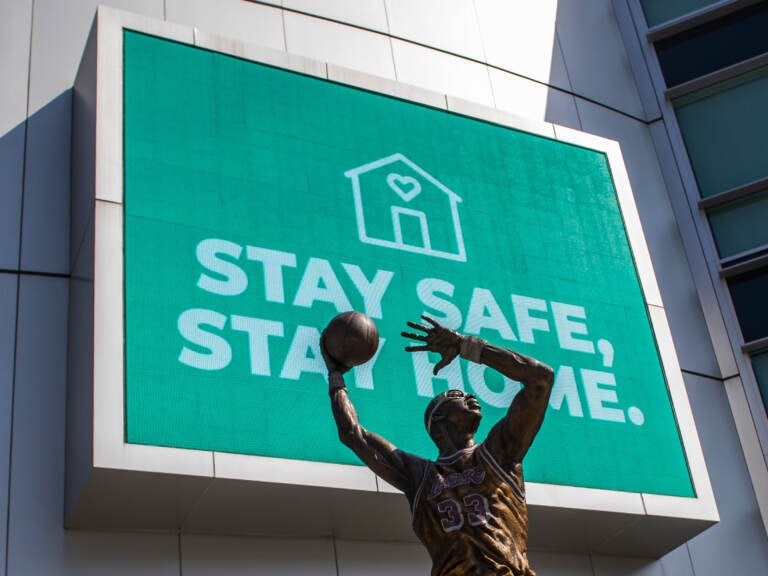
[351,338]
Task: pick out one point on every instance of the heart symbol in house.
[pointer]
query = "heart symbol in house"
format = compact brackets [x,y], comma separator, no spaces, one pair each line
[405,186]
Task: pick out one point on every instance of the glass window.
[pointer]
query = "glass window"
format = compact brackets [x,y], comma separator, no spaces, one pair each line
[760,365]
[749,293]
[714,45]
[660,11]
[724,128]
[740,225]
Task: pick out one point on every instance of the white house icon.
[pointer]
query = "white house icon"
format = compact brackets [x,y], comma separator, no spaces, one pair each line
[399,205]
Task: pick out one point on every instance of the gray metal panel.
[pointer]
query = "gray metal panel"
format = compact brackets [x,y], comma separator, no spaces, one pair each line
[644,85]
[678,562]
[80,331]
[615,566]
[681,302]
[80,372]
[561,109]
[595,57]
[37,475]
[736,545]
[209,555]
[83,167]
[7,338]
[356,558]
[11,177]
[115,554]
[551,564]
[45,217]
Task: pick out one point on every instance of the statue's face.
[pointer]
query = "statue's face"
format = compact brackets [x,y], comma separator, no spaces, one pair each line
[461,410]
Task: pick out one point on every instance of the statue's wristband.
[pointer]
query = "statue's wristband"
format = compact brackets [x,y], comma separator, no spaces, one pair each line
[471,347]
[335,382]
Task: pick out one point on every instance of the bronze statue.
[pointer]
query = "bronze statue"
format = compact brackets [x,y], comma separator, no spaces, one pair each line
[468,506]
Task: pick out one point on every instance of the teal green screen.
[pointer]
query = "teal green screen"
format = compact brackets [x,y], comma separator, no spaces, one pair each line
[259,203]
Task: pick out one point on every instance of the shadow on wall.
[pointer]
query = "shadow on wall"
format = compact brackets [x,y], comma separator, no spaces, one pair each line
[560,105]
[35,158]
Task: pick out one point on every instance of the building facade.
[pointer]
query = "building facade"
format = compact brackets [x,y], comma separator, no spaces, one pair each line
[653,76]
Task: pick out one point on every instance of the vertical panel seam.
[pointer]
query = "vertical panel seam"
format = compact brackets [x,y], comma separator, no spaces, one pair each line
[18,295]
[285,30]
[389,38]
[335,555]
[181,561]
[559,48]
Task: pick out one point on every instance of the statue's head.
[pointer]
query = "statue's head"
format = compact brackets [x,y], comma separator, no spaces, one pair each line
[452,412]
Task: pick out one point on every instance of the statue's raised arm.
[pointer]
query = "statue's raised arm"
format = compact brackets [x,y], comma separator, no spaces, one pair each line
[399,468]
[511,437]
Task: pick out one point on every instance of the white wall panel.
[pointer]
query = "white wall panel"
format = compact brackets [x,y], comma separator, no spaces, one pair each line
[518,95]
[381,559]
[7,339]
[615,566]
[240,556]
[442,72]
[59,31]
[678,292]
[338,44]
[550,564]
[235,19]
[595,57]
[365,13]
[519,36]
[449,25]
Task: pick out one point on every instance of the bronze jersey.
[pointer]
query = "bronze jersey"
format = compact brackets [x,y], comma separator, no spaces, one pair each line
[471,516]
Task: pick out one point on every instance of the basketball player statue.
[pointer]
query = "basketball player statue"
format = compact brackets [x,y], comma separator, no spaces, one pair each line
[468,506]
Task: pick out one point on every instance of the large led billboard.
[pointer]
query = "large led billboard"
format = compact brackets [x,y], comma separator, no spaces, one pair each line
[260,202]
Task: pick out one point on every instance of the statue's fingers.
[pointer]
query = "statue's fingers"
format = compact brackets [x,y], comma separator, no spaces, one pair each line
[417,349]
[413,336]
[447,358]
[440,365]
[418,326]
[426,318]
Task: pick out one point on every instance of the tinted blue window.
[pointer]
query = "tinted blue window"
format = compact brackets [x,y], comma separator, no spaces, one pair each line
[740,225]
[714,45]
[724,128]
[660,11]
[750,299]
[760,365]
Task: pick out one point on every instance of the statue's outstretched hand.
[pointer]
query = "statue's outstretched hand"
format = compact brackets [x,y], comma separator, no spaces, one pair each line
[437,338]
